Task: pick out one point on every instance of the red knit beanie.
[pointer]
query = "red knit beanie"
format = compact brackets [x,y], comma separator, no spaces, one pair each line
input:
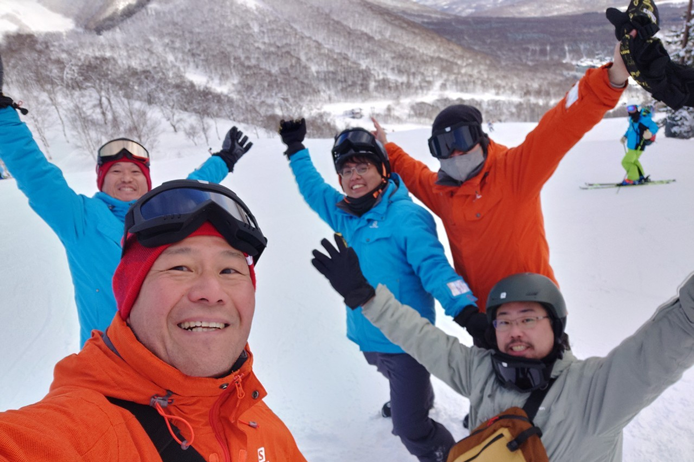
[136,263]
[102,170]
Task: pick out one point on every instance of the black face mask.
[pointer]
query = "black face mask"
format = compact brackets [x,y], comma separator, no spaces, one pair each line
[635,116]
[521,374]
[366,202]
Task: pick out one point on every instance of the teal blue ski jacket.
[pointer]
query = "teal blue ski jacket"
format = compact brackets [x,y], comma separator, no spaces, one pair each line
[398,247]
[90,228]
[634,132]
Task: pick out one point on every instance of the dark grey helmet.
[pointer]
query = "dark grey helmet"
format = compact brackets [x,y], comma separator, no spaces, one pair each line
[360,142]
[530,287]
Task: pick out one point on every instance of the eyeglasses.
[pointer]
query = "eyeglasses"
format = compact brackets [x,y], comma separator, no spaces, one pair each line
[174,210]
[461,137]
[122,147]
[502,325]
[361,169]
[632,108]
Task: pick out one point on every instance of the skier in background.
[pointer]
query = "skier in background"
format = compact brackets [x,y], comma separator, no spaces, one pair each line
[640,133]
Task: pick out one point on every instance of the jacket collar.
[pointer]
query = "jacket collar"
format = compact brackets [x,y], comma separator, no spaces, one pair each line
[117,207]
[560,365]
[133,373]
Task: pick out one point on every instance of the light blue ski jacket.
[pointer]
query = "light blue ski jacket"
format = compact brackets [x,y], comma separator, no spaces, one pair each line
[397,246]
[633,135]
[90,228]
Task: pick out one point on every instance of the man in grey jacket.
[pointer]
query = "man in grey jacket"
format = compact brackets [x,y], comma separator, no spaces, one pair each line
[590,401]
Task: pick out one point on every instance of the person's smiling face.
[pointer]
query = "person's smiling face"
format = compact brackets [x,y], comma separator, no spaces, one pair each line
[125,181]
[534,343]
[195,307]
[357,185]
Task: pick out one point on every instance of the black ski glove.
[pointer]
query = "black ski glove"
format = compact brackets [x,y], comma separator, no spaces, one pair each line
[474,322]
[645,57]
[6,101]
[343,271]
[641,15]
[234,147]
[293,133]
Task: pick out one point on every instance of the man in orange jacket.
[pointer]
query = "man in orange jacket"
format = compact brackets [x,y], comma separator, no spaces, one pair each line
[171,378]
[488,195]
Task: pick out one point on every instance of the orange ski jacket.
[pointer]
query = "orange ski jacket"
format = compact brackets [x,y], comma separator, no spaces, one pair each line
[494,220]
[75,422]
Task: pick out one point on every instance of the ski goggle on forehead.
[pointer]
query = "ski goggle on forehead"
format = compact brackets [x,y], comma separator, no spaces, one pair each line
[353,141]
[174,210]
[632,108]
[460,137]
[122,147]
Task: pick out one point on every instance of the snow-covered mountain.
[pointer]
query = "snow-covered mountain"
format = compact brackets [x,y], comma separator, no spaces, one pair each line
[122,66]
[527,8]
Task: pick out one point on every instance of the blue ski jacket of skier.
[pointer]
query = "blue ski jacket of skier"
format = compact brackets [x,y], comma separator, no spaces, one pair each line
[397,245]
[90,228]
[634,132]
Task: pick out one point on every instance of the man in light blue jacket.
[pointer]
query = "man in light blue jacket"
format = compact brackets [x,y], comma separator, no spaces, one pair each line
[398,246]
[91,228]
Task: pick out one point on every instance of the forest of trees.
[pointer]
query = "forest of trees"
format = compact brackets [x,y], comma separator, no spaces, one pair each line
[192,63]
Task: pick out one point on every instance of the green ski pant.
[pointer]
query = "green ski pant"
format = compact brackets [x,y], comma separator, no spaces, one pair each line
[632,165]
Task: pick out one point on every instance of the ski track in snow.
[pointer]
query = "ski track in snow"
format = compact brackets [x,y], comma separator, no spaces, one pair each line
[617,254]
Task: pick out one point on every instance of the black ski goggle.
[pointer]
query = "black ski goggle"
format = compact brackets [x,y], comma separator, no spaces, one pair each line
[174,210]
[122,147]
[460,137]
[354,142]
[519,374]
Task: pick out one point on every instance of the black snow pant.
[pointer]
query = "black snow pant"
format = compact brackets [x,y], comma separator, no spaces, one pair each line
[411,398]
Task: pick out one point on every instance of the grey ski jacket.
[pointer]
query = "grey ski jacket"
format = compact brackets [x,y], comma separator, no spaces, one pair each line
[591,401]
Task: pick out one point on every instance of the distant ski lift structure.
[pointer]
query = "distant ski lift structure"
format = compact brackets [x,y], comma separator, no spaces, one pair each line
[355,113]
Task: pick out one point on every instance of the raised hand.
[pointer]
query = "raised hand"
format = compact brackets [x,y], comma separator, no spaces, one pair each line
[342,269]
[293,133]
[234,147]
[6,101]
[379,133]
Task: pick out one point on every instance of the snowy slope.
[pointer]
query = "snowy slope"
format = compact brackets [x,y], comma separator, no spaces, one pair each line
[617,253]
[30,16]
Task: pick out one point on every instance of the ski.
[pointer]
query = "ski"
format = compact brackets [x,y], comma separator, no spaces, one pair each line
[619,185]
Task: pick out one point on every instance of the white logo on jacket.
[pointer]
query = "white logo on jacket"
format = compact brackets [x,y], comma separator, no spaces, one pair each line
[458,287]
[374,224]
[261,455]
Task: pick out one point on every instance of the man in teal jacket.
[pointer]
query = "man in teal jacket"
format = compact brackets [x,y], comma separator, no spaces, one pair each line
[397,242]
[589,402]
[91,228]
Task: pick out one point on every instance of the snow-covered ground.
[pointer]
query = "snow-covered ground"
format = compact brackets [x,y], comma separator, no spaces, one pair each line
[618,254]
[30,16]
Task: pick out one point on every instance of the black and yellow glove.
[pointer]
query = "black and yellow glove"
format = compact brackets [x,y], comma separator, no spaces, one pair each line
[645,57]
